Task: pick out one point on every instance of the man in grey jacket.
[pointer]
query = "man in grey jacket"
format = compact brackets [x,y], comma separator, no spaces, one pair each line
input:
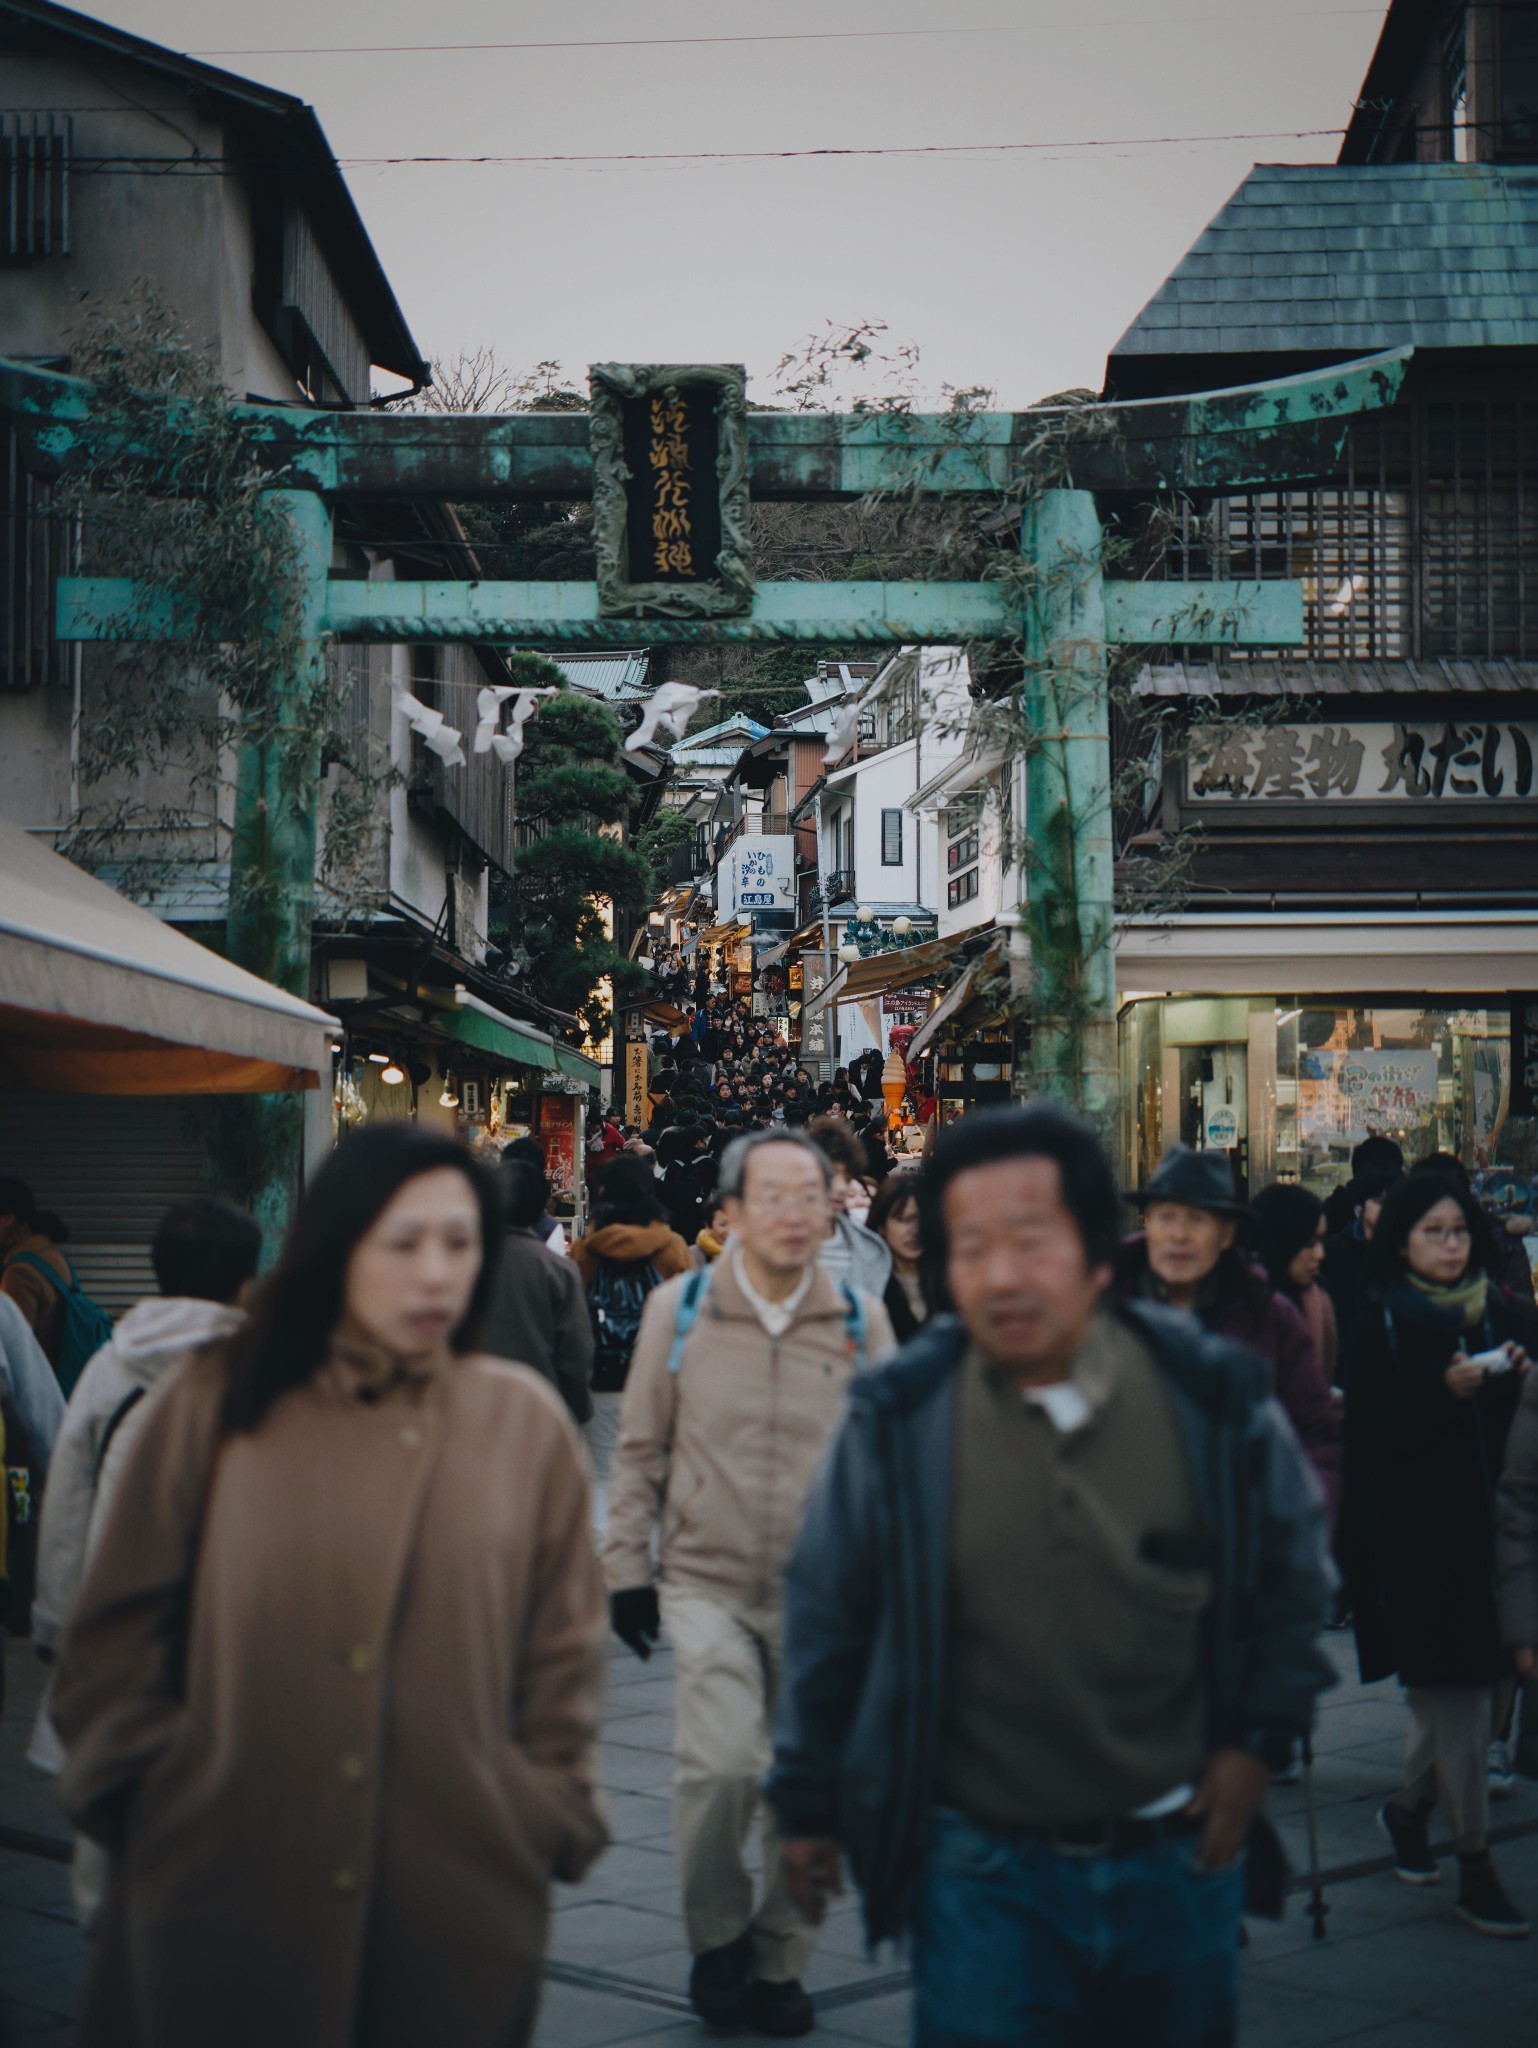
[1052,1618]
[538,1314]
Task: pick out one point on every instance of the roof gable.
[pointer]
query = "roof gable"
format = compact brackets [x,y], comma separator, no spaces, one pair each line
[1339,260]
[277,132]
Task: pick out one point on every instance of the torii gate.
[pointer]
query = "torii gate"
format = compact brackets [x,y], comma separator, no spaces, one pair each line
[1065,610]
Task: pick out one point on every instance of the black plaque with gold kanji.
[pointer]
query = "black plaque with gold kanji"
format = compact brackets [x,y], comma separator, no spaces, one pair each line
[670,492]
[673,506]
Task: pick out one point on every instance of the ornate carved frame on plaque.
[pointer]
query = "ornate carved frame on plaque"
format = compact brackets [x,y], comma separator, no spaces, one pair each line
[726,590]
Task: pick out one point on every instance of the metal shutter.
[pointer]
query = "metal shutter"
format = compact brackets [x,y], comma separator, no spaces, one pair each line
[110,1165]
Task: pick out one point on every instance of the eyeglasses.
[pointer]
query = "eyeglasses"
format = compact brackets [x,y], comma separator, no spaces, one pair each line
[1456,1233]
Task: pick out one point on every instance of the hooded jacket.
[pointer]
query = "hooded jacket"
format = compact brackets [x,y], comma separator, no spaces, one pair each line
[152,1337]
[1237,1301]
[655,1244]
[28,1383]
[857,1730]
[870,1260]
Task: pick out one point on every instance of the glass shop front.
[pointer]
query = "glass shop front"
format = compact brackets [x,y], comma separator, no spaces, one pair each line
[1286,1085]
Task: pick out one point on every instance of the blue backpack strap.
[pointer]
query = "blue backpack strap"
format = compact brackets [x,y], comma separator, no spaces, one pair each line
[691,1299]
[855,1323]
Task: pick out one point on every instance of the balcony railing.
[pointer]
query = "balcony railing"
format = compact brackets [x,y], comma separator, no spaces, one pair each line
[839,888]
[761,823]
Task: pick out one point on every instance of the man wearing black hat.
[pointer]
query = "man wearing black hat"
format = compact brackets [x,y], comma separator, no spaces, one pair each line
[1186,1256]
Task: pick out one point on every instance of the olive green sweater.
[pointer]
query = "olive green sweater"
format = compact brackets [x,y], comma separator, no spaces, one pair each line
[1078,1585]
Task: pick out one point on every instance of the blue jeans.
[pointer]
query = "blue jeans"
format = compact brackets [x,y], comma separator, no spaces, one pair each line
[1017,1944]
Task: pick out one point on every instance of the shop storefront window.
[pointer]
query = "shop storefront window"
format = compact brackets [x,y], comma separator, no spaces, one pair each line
[1287,1086]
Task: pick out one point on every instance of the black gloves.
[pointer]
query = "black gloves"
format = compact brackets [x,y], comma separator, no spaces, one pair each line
[636,1618]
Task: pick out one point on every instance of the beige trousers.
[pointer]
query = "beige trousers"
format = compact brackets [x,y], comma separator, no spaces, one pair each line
[1447,1754]
[726,1663]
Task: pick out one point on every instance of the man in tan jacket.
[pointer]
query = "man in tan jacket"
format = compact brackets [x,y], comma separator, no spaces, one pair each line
[737,1380]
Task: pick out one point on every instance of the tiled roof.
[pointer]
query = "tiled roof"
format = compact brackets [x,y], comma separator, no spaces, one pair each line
[618,678]
[1296,677]
[712,736]
[1335,259]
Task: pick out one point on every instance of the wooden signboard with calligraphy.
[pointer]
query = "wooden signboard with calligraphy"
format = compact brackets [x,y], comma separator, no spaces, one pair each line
[1437,764]
[670,489]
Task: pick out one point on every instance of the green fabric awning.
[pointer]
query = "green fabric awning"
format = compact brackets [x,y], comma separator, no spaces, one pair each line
[519,1044]
[578,1066]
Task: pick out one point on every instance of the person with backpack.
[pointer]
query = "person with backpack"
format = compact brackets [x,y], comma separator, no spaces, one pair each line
[630,1249]
[37,1275]
[205,1255]
[736,1385]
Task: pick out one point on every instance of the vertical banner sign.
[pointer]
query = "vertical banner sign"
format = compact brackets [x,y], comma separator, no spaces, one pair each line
[670,489]
[1524,1055]
[635,1083]
[814,1028]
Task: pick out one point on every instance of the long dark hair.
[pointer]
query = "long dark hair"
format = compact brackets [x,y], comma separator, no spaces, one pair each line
[1403,1207]
[1285,1222]
[300,1306]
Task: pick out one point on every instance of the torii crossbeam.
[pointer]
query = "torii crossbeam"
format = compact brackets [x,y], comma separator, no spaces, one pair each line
[1267,435]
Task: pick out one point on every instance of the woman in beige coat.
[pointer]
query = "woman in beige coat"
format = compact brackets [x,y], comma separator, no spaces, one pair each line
[332,1685]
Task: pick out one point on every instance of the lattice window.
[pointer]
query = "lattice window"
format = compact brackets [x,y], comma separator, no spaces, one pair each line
[35,151]
[1424,546]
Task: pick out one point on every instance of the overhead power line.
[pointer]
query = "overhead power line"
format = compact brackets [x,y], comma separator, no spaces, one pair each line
[218,165]
[825,35]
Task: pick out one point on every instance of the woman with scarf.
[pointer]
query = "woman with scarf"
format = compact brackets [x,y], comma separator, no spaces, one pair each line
[1437,1377]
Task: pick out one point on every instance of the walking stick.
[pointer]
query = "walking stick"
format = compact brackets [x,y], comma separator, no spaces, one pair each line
[1317,1905]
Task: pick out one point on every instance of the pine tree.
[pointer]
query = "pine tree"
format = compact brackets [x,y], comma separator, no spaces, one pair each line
[572,792]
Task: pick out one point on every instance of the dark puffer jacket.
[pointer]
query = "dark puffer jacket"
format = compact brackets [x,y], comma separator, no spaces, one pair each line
[858,1725]
[1238,1301]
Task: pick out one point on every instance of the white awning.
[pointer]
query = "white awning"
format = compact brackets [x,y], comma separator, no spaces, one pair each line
[1329,953]
[98,997]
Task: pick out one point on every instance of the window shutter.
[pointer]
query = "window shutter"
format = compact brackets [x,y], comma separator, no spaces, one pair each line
[891,839]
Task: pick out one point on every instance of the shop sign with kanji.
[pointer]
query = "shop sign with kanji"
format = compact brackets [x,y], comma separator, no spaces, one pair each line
[1433,762]
[670,489]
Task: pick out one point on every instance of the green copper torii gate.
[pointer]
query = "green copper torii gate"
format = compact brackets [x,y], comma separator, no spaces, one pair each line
[1265,436]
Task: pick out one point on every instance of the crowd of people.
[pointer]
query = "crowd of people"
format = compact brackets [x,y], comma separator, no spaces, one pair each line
[994,1545]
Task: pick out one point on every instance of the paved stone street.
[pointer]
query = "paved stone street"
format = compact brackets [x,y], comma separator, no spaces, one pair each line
[1396,1967]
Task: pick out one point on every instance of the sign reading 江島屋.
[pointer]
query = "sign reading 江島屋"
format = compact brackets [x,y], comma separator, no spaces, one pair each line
[670,489]
[1438,761]
[758,874]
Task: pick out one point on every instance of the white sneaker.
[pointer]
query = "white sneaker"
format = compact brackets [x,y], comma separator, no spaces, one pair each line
[1503,1779]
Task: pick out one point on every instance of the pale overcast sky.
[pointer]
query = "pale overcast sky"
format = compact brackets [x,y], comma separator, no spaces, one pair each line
[1016,269]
